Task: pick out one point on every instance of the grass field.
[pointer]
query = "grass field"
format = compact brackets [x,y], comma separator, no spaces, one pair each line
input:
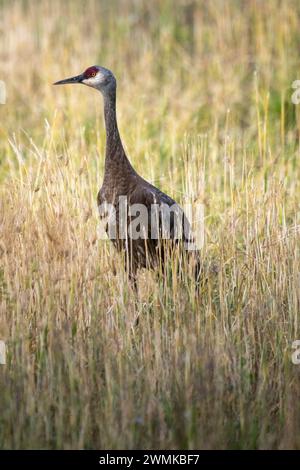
[205,111]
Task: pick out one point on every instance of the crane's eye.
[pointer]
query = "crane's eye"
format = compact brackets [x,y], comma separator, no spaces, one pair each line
[93,74]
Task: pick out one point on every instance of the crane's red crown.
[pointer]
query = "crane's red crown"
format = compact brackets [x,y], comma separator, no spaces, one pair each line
[90,72]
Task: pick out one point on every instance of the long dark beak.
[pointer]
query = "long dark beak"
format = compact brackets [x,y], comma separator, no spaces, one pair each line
[77,79]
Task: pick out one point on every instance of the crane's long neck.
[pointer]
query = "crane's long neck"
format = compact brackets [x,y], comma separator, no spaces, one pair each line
[115,156]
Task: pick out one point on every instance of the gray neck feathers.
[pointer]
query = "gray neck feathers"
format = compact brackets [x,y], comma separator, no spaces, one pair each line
[116,160]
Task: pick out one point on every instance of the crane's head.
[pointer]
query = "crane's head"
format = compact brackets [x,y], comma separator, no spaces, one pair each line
[96,77]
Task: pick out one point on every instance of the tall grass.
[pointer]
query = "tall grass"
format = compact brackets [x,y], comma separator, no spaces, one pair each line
[204,106]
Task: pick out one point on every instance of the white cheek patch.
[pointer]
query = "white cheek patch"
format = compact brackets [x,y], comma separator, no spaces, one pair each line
[90,81]
[94,81]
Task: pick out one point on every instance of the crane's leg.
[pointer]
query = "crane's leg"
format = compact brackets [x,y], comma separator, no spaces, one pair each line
[133,281]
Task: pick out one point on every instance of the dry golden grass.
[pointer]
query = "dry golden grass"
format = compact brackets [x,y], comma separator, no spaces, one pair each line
[204,106]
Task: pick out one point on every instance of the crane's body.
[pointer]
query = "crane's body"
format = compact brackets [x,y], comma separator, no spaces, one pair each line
[122,181]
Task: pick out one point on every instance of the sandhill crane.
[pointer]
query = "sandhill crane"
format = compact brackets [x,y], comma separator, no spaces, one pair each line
[121,180]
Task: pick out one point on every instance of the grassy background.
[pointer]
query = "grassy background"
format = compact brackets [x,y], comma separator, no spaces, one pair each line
[204,107]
